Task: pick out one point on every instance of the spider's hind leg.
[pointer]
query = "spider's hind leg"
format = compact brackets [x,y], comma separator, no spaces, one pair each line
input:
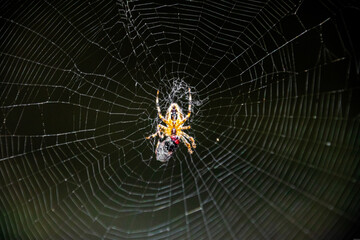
[187,144]
[191,139]
[157,146]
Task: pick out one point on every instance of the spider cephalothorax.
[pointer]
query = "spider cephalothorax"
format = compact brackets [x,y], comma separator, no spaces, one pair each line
[174,120]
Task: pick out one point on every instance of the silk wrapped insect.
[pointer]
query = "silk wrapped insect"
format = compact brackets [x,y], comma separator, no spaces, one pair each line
[173,131]
[165,149]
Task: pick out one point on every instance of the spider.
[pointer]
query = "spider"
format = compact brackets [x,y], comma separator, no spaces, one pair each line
[174,120]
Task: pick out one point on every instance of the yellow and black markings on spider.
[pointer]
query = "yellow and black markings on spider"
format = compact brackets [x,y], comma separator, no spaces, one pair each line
[174,120]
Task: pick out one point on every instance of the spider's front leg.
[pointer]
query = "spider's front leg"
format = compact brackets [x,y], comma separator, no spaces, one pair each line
[158,109]
[189,110]
[160,129]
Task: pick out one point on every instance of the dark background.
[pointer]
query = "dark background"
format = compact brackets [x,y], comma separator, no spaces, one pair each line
[276,82]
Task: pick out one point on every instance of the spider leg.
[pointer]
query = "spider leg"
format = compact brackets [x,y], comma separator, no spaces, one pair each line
[160,129]
[185,127]
[158,109]
[187,144]
[191,139]
[157,145]
[189,110]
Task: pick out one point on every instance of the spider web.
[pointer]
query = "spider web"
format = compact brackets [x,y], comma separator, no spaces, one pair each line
[275,117]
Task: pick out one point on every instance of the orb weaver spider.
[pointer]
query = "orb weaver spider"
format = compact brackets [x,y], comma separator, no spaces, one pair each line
[174,120]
